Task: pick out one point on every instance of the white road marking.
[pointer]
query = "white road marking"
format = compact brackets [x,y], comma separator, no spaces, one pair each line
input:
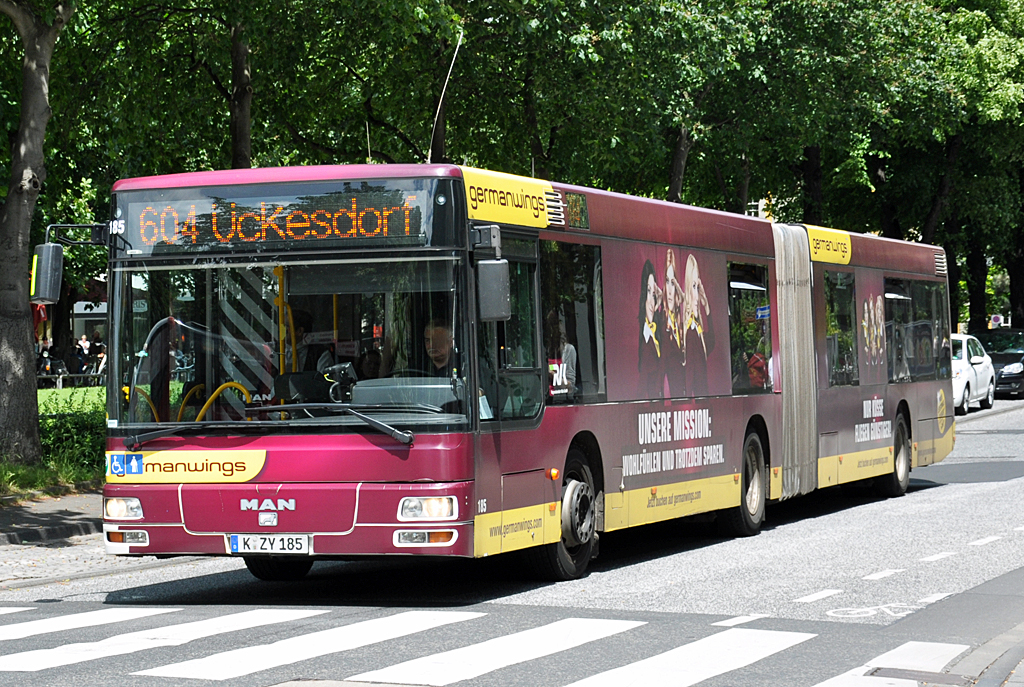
[501,652]
[739,620]
[928,657]
[982,542]
[76,621]
[700,660]
[232,664]
[171,635]
[934,597]
[817,596]
[11,609]
[938,556]
[881,574]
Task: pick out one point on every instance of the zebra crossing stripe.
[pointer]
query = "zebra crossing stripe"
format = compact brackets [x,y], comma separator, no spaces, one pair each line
[930,657]
[12,609]
[231,664]
[478,659]
[697,661]
[75,621]
[172,635]
[924,656]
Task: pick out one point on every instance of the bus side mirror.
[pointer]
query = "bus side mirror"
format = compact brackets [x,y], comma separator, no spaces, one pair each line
[47,272]
[492,290]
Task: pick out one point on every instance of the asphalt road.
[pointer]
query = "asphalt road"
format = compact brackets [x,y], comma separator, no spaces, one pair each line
[841,589]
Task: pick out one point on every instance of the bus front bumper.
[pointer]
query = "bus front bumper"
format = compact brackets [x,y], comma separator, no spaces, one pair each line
[336,519]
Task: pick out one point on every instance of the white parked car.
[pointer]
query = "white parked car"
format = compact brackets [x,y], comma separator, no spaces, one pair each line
[974,378]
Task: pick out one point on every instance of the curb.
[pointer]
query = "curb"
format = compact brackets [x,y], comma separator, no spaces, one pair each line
[56,532]
[55,490]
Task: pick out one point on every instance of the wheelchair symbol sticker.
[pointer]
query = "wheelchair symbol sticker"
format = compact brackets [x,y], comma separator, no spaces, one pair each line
[116,466]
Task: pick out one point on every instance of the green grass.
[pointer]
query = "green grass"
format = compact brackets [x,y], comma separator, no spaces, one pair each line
[72,430]
[80,397]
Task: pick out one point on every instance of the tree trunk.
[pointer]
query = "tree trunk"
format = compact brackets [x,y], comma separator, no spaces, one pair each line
[977,276]
[19,418]
[888,219]
[679,157]
[539,166]
[240,102]
[931,222]
[736,202]
[810,169]
[951,243]
[1015,269]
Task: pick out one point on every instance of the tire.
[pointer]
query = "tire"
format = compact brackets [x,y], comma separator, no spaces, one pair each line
[965,402]
[896,482]
[568,559]
[990,396]
[278,569]
[746,519]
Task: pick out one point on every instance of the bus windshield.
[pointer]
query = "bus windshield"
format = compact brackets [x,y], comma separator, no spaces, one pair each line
[284,343]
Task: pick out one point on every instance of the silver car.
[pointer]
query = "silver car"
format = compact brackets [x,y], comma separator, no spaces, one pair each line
[973,374]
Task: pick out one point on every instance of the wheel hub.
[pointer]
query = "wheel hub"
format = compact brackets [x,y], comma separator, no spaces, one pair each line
[577,513]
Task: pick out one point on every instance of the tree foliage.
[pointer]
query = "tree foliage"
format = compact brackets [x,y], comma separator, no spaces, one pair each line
[901,118]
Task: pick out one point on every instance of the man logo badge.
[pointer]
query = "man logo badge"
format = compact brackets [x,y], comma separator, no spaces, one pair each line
[268,504]
[267,519]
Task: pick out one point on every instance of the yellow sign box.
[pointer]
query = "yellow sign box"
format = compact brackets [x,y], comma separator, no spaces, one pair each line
[183,467]
[506,198]
[829,245]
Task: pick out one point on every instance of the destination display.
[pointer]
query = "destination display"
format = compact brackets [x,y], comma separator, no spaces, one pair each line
[392,213]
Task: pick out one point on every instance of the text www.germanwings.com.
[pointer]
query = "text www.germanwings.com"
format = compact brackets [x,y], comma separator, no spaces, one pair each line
[521,526]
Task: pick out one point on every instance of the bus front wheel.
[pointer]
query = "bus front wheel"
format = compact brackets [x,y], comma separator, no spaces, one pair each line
[746,519]
[278,569]
[897,481]
[568,558]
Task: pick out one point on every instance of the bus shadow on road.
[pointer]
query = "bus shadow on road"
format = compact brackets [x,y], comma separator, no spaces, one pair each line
[443,582]
[405,582]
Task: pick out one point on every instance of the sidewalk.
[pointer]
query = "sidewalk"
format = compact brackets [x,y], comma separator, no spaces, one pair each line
[48,518]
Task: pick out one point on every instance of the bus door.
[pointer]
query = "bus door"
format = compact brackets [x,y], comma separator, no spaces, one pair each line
[838,370]
[513,382]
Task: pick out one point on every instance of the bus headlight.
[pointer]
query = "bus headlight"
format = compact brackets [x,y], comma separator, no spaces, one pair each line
[428,508]
[122,508]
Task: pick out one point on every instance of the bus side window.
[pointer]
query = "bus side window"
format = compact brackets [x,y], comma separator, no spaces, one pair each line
[519,389]
[898,317]
[750,329]
[571,306]
[841,329]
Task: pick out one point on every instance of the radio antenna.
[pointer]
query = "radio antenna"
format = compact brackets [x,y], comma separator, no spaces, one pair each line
[369,153]
[430,148]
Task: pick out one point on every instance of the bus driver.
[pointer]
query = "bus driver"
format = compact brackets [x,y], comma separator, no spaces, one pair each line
[439,342]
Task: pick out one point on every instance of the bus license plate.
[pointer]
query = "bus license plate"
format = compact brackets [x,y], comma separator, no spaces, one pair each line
[270,543]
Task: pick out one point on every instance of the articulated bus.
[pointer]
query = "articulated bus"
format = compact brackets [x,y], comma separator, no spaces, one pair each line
[374,360]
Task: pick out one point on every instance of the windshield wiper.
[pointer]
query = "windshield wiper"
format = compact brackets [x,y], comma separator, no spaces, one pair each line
[398,435]
[134,441]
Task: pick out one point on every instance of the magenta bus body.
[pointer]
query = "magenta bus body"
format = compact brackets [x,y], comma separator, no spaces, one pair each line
[718,363]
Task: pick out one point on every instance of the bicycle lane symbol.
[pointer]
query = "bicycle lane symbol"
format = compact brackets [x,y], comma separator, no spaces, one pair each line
[896,610]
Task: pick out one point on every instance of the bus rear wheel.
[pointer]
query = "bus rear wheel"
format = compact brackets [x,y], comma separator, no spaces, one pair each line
[897,481]
[568,558]
[278,569]
[746,519]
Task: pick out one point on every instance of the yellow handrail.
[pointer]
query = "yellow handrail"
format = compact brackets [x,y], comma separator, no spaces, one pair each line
[156,416]
[193,390]
[215,394]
